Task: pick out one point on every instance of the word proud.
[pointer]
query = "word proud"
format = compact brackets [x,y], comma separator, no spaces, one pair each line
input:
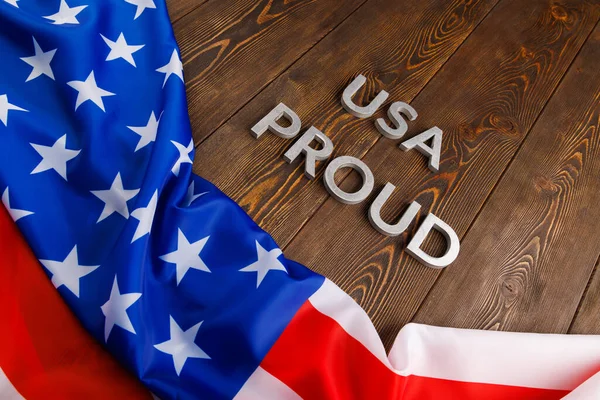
[396,112]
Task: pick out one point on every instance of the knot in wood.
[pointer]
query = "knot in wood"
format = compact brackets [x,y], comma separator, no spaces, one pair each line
[466,131]
[503,124]
[452,21]
[544,185]
[559,12]
[510,288]
[526,53]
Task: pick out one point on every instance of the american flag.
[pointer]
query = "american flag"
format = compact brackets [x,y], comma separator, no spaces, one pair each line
[166,272]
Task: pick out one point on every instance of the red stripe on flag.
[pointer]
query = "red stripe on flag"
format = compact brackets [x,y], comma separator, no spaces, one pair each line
[317,359]
[44,351]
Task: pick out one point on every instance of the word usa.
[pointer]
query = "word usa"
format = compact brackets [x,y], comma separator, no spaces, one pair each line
[396,112]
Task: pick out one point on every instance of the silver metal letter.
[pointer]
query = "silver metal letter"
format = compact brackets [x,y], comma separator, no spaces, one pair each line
[375,213]
[357,111]
[269,122]
[395,113]
[452,243]
[360,167]
[432,152]
[312,155]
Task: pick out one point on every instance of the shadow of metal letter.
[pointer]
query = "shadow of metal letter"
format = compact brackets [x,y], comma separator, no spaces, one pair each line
[432,152]
[368,181]
[312,155]
[269,122]
[357,111]
[395,113]
[382,226]
[452,243]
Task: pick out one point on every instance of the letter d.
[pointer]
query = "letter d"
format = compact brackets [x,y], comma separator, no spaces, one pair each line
[452,243]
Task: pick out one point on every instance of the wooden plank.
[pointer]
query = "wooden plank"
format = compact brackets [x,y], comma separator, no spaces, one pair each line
[528,257]
[398,57]
[232,49]
[180,8]
[486,98]
[587,319]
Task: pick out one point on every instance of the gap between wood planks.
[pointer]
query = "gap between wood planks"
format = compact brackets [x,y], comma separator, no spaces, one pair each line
[380,275]
[345,176]
[583,296]
[437,279]
[269,82]
[275,77]
[174,10]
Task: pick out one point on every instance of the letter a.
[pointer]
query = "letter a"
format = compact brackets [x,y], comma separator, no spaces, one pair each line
[432,152]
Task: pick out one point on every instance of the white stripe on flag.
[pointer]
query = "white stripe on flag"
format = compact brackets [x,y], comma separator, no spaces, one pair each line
[533,360]
[590,389]
[262,385]
[336,304]
[7,390]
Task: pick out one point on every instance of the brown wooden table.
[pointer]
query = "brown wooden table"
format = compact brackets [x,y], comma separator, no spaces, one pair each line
[514,85]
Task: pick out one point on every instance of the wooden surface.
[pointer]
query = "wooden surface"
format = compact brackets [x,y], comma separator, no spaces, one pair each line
[514,85]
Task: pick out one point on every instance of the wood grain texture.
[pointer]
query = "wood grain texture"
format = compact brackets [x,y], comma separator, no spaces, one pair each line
[485,99]
[400,58]
[180,8]
[587,317]
[232,49]
[527,259]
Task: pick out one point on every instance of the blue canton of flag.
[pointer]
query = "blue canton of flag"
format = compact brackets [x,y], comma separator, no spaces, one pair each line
[96,166]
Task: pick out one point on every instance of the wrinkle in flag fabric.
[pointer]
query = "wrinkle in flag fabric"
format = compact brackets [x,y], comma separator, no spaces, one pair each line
[172,282]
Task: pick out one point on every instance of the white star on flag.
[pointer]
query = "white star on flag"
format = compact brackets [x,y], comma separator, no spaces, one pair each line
[186,256]
[66,14]
[267,261]
[120,49]
[184,155]
[115,310]
[145,216]
[141,6]
[115,199]
[5,107]
[174,67]
[68,272]
[12,2]
[89,90]
[190,196]
[54,157]
[40,62]
[181,344]
[14,213]
[147,133]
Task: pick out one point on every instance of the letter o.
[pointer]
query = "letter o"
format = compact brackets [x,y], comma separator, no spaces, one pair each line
[358,166]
